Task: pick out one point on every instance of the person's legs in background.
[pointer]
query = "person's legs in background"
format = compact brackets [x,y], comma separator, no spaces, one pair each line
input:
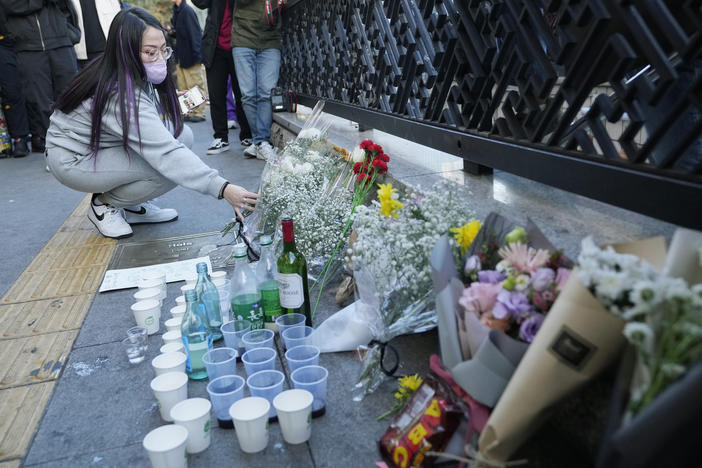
[35,75]
[232,121]
[245,67]
[217,85]
[13,102]
[267,71]
[244,126]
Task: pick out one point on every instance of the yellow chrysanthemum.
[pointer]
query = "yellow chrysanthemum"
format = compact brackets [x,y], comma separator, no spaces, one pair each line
[389,206]
[410,382]
[466,234]
[342,152]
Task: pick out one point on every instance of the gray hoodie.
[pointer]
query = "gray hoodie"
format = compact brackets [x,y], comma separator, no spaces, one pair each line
[158,146]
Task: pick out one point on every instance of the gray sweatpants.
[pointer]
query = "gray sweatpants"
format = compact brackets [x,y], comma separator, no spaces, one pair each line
[122,179]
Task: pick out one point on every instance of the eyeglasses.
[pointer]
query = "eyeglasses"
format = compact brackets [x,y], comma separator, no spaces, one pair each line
[152,54]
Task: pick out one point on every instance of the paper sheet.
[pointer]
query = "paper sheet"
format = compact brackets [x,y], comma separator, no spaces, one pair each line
[129,277]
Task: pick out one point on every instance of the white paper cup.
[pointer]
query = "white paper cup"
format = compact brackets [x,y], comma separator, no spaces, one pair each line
[194,415]
[169,388]
[250,416]
[186,287]
[166,446]
[171,362]
[153,283]
[171,337]
[191,279]
[173,324]
[150,293]
[178,311]
[173,348]
[154,274]
[219,282]
[218,274]
[180,301]
[294,409]
[146,314]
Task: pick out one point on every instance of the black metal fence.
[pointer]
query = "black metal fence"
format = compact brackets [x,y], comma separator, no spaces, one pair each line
[600,97]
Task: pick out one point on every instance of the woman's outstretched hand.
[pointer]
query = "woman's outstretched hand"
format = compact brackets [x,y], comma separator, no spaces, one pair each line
[240,199]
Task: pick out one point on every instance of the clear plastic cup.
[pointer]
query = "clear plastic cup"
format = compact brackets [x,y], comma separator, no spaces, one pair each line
[294,408]
[314,380]
[296,336]
[166,446]
[136,351]
[171,362]
[266,384]
[169,388]
[194,415]
[258,339]
[225,306]
[233,332]
[259,359]
[286,321]
[173,348]
[220,361]
[138,335]
[147,314]
[224,392]
[250,417]
[301,356]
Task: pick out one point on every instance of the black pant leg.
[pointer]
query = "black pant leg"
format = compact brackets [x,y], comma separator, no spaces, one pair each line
[12,95]
[244,128]
[64,66]
[217,88]
[35,73]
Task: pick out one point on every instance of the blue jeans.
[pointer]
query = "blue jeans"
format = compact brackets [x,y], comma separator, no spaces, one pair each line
[257,73]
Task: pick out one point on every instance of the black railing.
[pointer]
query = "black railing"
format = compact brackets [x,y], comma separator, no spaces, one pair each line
[600,97]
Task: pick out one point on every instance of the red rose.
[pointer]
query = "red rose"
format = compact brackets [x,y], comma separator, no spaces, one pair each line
[376,148]
[383,157]
[366,144]
[380,165]
[357,168]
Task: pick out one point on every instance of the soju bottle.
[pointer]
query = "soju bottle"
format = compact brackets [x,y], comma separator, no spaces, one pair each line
[208,296]
[246,299]
[196,335]
[292,276]
[267,273]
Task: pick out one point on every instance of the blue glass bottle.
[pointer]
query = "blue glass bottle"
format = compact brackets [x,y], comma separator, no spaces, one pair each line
[208,296]
[197,336]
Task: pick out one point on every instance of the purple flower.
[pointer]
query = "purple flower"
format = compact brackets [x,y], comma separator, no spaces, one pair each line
[530,327]
[491,276]
[542,279]
[513,304]
[472,264]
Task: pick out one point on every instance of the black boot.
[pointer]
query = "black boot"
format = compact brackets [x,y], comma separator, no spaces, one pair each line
[19,148]
[38,145]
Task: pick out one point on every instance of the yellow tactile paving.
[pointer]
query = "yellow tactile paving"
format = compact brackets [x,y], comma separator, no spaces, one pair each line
[50,315]
[33,359]
[40,316]
[21,409]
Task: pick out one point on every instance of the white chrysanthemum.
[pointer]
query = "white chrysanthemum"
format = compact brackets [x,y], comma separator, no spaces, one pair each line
[522,282]
[641,335]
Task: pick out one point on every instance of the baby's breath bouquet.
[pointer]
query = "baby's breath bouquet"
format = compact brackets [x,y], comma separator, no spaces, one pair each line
[663,317]
[390,259]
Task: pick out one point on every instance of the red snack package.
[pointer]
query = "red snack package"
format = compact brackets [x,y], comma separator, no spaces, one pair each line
[427,422]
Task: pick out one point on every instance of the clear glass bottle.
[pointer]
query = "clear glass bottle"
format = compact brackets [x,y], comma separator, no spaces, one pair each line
[267,276]
[196,335]
[246,298]
[208,296]
[292,276]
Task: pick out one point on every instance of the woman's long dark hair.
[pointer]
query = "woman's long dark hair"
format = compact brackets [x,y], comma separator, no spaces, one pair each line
[121,71]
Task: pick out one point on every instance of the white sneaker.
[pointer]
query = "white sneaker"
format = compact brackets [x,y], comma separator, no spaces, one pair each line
[218,146]
[147,212]
[232,124]
[251,151]
[108,220]
[265,151]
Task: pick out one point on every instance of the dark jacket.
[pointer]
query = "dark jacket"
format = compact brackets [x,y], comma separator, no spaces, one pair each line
[250,28]
[39,24]
[6,38]
[215,13]
[188,35]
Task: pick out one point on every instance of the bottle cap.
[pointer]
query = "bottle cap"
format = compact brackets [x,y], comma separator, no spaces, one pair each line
[202,266]
[266,240]
[240,250]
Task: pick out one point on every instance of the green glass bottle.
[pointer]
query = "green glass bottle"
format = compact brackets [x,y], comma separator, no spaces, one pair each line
[208,296]
[246,298]
[267,276]
[197,336]
[292,276]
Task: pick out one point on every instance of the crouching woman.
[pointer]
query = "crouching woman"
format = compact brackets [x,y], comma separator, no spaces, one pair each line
[117,133]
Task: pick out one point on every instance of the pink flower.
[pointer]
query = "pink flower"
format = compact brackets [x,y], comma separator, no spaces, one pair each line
[523,258]
[562,276]
[479,298]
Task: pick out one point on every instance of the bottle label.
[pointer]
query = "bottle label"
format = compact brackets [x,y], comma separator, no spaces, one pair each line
[290,288]
[271,304]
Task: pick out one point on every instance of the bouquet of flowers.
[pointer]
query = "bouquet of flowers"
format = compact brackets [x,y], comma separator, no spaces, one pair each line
[663,317]
[390,260]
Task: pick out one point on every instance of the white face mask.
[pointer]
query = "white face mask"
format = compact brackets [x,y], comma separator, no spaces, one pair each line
[156,71]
